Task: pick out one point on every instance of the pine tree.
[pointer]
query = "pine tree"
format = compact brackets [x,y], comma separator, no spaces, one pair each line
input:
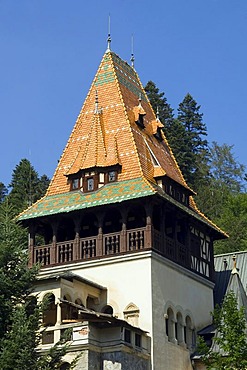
[13,268]
[26,186]
[173,129]
[159,102]
[195,146]
[19,312]
[3,191]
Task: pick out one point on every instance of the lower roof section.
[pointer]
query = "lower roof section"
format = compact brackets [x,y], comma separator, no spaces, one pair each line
[76,200]
[111,193]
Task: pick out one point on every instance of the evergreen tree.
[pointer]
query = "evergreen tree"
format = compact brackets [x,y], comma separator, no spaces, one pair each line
[194,165]
[219,196]
[173,129]
[233,219]
[225,169]
[3,191]
[230,340]
[26,186]
[18,346]
[159,102]
[19,312]
[13,268]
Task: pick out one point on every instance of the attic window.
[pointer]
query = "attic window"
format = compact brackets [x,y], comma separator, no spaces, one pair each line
[139,114]
[93,179]
[158,135]
[75,184]
[90,184]
[111,176]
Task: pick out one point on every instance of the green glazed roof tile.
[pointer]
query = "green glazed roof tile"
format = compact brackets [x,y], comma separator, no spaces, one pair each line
[75,200]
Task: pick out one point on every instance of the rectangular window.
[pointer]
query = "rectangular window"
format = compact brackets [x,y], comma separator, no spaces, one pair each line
[112,176]
[138,340]
[90,184]
[127,336]
[75,184]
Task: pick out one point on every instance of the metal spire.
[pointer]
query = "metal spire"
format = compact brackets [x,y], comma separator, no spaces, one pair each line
[234,270]
[96,110]
[140,99]
[109,35]
[132,59]
[157,114]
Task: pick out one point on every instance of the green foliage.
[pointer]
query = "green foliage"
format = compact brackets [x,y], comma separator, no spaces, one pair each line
[159,102]
[233,219]
[18,348]
[3,192]
[193,162]
[19,312]
[229,349]
[16,279]
[225,169]
[26,186]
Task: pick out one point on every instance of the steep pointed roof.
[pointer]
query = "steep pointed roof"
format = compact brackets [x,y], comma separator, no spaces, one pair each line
[111,135]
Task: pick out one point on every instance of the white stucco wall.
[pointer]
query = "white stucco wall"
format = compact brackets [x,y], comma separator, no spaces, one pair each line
[185,292]
[152,283]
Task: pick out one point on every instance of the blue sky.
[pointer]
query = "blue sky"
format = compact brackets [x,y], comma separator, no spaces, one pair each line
[51,49]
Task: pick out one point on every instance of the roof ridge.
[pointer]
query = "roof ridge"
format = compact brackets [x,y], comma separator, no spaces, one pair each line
[125,110]
[73,130]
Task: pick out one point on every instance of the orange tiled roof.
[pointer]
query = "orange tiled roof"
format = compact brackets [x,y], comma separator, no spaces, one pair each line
[106,134]
[109,135]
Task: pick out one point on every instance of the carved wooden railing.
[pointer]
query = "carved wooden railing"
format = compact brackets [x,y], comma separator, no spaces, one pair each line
[86,248]
[170,248]
[110,244]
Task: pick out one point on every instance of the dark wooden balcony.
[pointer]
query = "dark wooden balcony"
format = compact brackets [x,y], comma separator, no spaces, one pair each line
[92,247]
[121,242]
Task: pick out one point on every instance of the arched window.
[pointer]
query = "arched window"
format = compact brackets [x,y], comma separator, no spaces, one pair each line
[65,366]
[170,325]
[50,310]
[107,309]
[179,329]
[131,314]
[188,332]
[67,310]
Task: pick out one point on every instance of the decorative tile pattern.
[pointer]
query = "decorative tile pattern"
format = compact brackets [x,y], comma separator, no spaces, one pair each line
[107,136]
[75,200]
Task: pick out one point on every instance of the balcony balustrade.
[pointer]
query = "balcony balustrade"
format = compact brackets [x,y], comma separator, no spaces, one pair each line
[125,241]
[87,248]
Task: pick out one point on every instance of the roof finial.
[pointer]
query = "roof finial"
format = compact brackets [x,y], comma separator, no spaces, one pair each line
[140,98]
[109,34]
[157,114]
[234,270]
[96,110]
[132,59]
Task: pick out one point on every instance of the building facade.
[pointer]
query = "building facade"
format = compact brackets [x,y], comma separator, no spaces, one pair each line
[126,256]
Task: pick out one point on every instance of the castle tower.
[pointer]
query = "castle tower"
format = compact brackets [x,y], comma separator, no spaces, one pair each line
[123,243]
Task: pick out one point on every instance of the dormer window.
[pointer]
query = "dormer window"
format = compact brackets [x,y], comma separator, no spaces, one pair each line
[93,179]
[111,176]
[90,184]
[139,114]
[75,184]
